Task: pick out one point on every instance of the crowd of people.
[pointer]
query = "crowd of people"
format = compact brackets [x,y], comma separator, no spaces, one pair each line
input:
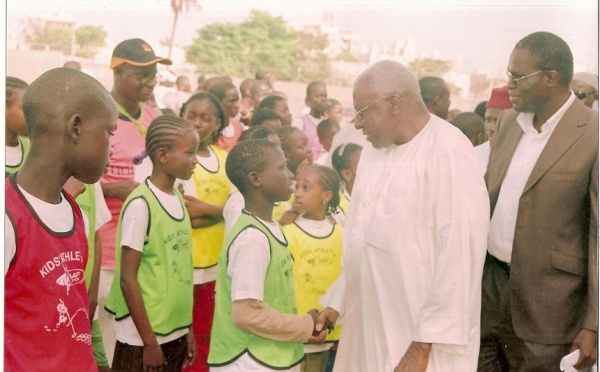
[154,228]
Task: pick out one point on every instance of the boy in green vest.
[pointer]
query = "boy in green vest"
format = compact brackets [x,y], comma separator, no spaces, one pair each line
[256,326]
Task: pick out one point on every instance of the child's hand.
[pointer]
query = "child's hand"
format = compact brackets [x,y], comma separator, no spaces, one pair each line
[74,187]
[318,337]
[191,350]
[153,358]
[288,217]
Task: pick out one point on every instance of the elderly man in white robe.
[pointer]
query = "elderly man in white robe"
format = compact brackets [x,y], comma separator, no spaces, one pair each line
[415,240]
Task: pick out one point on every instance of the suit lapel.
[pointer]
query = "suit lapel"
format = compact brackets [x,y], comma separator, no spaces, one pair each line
[567,131]
[505,149]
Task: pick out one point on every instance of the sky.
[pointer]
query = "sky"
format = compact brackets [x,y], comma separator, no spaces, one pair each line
[483,32]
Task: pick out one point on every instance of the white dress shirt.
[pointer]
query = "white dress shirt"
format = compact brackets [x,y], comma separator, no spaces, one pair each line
[531,144]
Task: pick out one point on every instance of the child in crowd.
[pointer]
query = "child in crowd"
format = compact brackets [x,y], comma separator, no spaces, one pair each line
[316,99]
[246,101]
[334,111]
[235,202]
[228,95]
[295,147]
[205,197]
[259,90]
[345,160]
[152,292]
[17,145]
[280,106]
[70,118]
[315,241]
[256,327]
[298,156]
[326,130]
[266,117]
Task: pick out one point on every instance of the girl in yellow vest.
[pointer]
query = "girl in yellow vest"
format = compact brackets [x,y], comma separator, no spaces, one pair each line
[345,161]
[152,291]
[315,242]
[210,188]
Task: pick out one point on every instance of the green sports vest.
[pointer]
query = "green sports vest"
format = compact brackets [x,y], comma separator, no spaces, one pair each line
[227,342]
[87,202]
[25,145]
[165,274]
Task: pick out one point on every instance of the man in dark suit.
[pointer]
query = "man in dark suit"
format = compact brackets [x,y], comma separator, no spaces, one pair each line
[540,283]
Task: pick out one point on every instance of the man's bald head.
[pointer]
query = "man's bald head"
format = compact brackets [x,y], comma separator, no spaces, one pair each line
[436,95]
[389,106]
[472,126]
[387,77]
[59,94]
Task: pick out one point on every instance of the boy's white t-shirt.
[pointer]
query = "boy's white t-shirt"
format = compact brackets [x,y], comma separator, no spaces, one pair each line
[14,155]
[57,217]
[249,257]
[133,235]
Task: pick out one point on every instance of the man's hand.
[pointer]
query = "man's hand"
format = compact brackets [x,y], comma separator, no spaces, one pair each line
[74,187]
[415,359]
[318,337]
[326,320]
[586,343]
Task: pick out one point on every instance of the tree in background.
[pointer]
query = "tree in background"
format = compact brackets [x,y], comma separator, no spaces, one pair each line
[262,40]
[180,7]
[86,39]
[37,31]
[89,39]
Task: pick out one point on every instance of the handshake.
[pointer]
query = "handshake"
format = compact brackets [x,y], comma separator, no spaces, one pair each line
[324,322]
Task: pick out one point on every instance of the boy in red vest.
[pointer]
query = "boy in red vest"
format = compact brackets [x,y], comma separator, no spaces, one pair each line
[70,118]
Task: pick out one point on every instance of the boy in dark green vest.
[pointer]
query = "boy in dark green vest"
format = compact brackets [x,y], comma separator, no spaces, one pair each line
[256,326]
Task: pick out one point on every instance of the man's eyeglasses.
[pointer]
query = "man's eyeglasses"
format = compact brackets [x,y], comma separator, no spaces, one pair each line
[361,112]
[516,79]
[583,95]
[145,77]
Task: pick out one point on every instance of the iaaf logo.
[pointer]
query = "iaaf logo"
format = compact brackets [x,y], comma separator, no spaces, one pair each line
[71,277]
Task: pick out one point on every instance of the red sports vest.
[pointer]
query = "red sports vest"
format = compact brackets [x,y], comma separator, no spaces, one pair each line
[46,319]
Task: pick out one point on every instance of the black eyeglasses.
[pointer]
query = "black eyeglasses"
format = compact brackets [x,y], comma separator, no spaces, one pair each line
[583,95]
[145,77]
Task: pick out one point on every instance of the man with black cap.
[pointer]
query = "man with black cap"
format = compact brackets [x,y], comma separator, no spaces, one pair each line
[134,70]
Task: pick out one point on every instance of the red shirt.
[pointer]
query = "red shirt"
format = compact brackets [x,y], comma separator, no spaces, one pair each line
[46,320]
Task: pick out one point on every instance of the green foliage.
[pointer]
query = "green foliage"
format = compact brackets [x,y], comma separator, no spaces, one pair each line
[89,39]
[56,34]
[261,41]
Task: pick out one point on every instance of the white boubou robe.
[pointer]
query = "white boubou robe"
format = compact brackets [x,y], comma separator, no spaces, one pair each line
[414,247]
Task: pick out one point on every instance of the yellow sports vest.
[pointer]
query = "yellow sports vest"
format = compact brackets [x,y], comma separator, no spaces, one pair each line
[317,264]
[279,210]
[212,188]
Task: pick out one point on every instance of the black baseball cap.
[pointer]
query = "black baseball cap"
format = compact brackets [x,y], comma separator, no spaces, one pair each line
[136,52]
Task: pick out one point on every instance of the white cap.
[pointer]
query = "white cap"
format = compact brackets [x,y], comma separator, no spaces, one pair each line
[588,78]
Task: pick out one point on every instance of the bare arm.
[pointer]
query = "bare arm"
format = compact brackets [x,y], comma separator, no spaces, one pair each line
[198,208]
[119,189]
